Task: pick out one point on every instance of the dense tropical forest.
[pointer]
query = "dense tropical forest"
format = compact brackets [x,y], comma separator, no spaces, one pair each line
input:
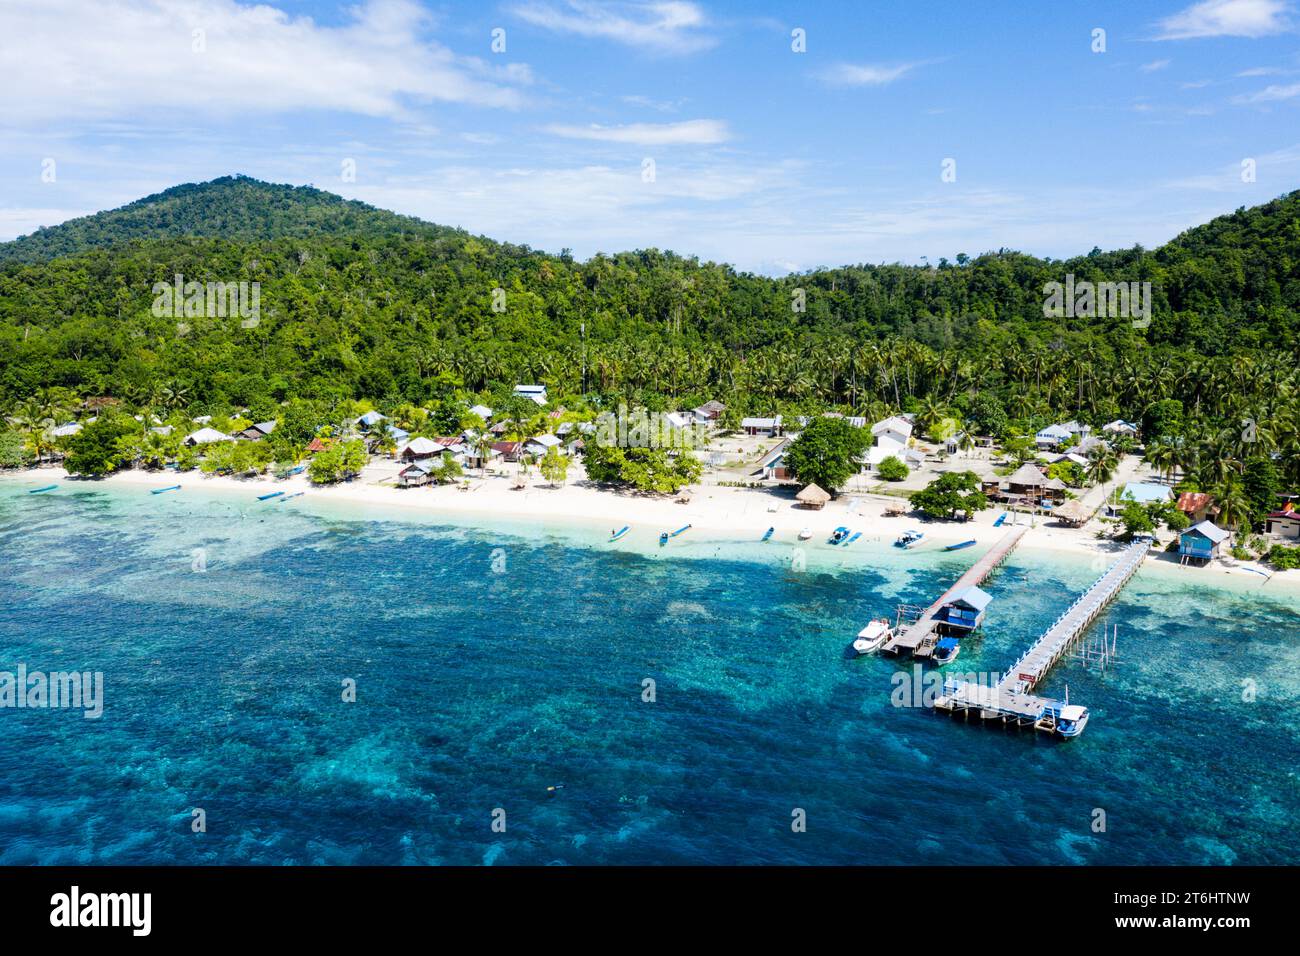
[361,304]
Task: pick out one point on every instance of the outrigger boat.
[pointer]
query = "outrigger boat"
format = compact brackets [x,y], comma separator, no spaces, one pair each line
[958,547]
[619,533]
[839,534]
[908,538]
[872,637]
[158,491]
[37,491]
[274,494]
[946,651]
[768,533]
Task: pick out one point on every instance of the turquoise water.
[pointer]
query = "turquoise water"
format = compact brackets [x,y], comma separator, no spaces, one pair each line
[493,663]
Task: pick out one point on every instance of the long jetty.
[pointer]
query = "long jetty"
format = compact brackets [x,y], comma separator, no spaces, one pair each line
[918,636]
[1011,700]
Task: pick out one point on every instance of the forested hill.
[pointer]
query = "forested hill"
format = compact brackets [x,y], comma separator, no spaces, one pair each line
[233,207]
[356,302]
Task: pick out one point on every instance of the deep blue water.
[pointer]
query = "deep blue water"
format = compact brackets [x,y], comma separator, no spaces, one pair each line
[484,676]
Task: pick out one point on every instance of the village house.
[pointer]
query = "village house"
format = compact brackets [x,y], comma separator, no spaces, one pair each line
[1198,505]
[482,411]
[369,420]
[419,449]
[539,446]
[1285,523]
[710,411]
[1052,436]
[416,473]
[507,450]
[535,393]
[206,436]
[1120,427]
[769,427]
[1143,492]
[1200,542]
[772,465]
[257,432]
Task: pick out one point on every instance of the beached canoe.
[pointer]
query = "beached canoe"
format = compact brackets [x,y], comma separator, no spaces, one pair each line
[274,494]
[37,491]
[958,547]
[158,491]
[620,532]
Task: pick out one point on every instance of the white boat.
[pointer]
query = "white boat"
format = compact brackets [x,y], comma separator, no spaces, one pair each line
[1072,720]
[873,636]
[805,534]
[908,538]
[946,651]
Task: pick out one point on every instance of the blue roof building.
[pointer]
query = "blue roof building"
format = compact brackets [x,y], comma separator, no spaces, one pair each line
[965,611]
[1200,542]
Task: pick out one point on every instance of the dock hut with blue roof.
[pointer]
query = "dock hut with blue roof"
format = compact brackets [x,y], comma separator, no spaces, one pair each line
[964,611]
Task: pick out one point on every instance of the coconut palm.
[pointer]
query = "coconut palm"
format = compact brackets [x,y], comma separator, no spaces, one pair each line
[1102,462]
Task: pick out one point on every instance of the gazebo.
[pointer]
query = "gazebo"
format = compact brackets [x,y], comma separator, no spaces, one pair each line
[1073,513]
[813,497]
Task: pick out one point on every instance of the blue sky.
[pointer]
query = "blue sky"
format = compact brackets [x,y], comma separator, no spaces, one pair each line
[764,157]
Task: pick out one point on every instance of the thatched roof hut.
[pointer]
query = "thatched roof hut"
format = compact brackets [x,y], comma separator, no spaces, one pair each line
[1026,478]
[813,497]
[1073,513]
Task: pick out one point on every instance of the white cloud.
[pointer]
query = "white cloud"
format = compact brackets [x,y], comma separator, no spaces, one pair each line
[868,74]
[103,58]
[1154,65]
[662,26]
[1227,18]
[690,132]
[1270,94]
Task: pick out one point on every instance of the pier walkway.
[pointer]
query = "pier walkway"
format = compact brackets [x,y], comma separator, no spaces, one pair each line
[1011,699]
[918,634]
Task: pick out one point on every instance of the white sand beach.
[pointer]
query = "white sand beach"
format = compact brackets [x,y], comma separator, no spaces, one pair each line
[742,512]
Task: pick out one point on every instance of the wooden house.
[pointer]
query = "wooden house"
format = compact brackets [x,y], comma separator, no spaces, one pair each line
[416,473]
[1201,542]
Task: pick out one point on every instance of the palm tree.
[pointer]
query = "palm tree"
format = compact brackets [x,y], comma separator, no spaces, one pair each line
[1102,462]
[1234,506]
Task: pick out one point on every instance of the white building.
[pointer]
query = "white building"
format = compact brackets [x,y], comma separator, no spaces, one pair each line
[536,393]
[891,438]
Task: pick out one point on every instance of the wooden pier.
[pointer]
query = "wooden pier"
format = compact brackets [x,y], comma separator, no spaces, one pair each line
[1011,700]
[914,629]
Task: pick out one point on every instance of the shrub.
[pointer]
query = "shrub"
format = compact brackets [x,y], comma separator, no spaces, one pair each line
[892,469]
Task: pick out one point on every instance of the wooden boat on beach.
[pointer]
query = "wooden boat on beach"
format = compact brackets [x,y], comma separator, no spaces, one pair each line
[958,547]
[614,536]
[767,535]
[37,491]
[158,491]
[268,497]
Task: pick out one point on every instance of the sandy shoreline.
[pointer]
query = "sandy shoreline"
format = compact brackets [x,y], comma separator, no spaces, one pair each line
[743,512]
